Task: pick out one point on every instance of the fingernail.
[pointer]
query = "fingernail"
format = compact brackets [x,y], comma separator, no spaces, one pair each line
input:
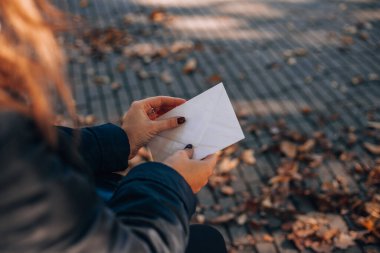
[189,146]
[181,120]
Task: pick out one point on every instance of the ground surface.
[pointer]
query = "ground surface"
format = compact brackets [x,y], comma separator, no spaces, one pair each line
[304,77]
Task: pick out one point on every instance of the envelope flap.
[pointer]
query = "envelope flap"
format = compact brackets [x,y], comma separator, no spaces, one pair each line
[198,113]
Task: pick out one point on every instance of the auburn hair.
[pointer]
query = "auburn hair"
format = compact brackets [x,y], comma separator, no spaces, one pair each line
[32,64]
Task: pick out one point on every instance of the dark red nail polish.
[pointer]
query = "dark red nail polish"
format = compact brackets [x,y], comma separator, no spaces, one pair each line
[181,120]
[189,146]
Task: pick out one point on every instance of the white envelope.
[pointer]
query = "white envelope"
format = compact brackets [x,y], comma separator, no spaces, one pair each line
[211,125]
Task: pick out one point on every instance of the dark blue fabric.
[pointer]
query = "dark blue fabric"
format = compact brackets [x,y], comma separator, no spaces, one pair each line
[105,148]
[49,204]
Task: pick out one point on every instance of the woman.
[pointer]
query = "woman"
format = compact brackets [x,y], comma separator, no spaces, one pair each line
[47,174]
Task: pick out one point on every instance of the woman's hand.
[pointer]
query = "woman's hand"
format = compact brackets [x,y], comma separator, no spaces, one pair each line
[139,122]
[196,173]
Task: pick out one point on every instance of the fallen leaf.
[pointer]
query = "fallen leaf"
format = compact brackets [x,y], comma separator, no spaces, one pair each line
[358,79]
[230,149]
[115,86]
[329,234]
[363,36]
[227,190]
[352,138]
[373,77]
[346,41]
[268,238]
[158,15]
[121,67]
[242,219]
[291,61]
[101,80]
[307,146]
[190,66]
[374,149]
[142,74]
[214,79]
[248,157]
[224,218]
[344,241]
[227,164]
[247,240]
[83,3]
[373,124]
[181,46]
[288,148]
[306,110]
[166,77]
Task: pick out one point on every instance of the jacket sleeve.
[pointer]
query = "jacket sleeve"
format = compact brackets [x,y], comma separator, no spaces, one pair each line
[104,148]
[48,206]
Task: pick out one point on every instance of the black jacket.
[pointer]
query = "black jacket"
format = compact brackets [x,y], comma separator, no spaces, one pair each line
[48,201]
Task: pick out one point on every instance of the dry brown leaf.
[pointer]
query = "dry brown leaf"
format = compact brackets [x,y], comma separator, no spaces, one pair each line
[166,77]
[115,86]
[214,79]
[344,241]
[316,160]
[329,234]
[346,41]
[190,66]
[230,149]
[374,149]
[158,15]
[227,190]
[216,180]
[222,218]
[306,110]
[121,67]
[142,74]
[373,124]
[242,219]
[101,80]
[288,148]
[358,79]
[181,46]
[352,138]
[247,240]
[83,3]
[307,146]
[227,164]
[373,209]
[248,156]
[268,238]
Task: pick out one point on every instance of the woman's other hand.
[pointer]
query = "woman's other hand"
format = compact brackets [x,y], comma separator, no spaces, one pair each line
[196,173]
[140,122]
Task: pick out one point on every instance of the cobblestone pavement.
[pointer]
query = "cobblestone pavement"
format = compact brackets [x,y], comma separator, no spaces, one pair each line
[312,65]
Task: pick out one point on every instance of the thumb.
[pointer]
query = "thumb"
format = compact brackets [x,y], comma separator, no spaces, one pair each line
[166,124]
[189,150]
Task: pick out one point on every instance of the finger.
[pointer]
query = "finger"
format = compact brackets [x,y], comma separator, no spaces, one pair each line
[166,124]
[189,150]
[162,101]
[164,109]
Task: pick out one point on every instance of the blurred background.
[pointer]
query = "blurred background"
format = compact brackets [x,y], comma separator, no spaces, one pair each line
[304,79]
